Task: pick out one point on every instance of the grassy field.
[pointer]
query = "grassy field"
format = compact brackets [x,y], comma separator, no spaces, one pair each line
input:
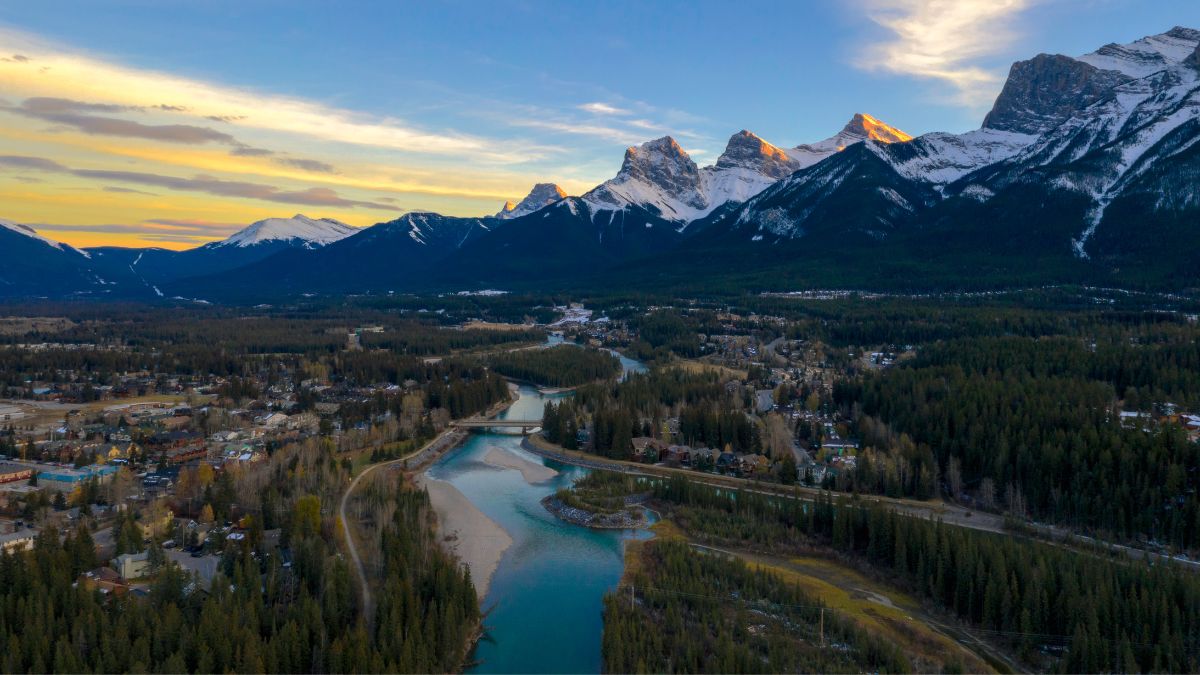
[21,325]
[173,399]
[694,366]
[877,608]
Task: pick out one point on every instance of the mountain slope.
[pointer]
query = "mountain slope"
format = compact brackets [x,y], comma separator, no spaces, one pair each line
[299,230]
[1116,143]
[855,195]
[34,266]
[385,256]
[569,239]
[153,268]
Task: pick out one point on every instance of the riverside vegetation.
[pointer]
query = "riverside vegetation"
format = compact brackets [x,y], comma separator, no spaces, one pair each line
[558,366]
[1054,609]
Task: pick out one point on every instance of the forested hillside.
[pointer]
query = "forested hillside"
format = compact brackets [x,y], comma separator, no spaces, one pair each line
[1034,426]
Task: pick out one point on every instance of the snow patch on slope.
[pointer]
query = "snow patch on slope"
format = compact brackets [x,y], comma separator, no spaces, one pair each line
[941,158]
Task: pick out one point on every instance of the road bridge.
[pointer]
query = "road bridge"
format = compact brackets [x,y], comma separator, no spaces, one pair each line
[524,426]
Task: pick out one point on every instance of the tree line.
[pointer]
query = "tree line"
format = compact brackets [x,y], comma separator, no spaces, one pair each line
[1041,600]
[1031,426]
[558,366]
[693,613]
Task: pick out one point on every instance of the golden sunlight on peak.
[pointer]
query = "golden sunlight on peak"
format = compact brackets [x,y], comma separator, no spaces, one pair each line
[880,131]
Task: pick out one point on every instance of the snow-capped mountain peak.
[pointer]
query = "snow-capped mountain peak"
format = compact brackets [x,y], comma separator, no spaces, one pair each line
[658,175]
[748,151]
[1148,55]
[27,231]
[864,127]
[661,162]
[308,232]
[861,127]
[542,194]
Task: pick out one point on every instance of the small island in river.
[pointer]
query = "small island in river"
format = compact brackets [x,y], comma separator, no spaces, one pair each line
[625,519]
[602,500]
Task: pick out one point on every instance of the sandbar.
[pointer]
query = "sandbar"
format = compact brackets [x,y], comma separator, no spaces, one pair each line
[478,541]
[532,472]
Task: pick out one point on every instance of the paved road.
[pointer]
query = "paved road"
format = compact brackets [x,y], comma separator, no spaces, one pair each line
[443,442]
[769,350]
[950,514]
[447,438]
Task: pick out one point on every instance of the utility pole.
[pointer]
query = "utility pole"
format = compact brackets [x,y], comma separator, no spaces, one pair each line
[822,627]
[631,600]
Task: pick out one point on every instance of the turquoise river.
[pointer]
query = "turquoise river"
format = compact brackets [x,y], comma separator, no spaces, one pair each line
[545,598]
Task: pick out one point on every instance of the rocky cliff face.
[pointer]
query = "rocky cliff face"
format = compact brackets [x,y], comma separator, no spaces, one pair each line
[1046,91]
[657,175]
[1049,89]
[542,194]
[1193,59]
[747,151]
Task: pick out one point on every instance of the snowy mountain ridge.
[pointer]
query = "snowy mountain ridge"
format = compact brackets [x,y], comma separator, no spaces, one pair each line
[28,231]
[1145,56]
[309,232]
[661,176]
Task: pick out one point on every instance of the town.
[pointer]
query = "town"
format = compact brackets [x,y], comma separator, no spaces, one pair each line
[85,442]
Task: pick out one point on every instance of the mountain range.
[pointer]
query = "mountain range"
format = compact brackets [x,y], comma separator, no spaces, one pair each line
[1085,170]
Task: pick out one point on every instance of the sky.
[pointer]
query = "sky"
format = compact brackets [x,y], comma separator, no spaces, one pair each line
[165,123]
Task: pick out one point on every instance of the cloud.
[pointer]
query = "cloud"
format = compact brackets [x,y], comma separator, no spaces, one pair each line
[603,109]
[943,40]
[16,58]
[160,230]
[625,132]
[195,226]
[51,105]
[313,196]
[125,190]
[312,165]
[85,77]
[77,114]
[228,119]
[247,151]
[31,163]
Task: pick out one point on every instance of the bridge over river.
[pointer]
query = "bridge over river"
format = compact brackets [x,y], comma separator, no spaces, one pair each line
[524,427]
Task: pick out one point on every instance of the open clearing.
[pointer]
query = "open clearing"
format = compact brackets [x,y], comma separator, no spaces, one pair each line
[878,608]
